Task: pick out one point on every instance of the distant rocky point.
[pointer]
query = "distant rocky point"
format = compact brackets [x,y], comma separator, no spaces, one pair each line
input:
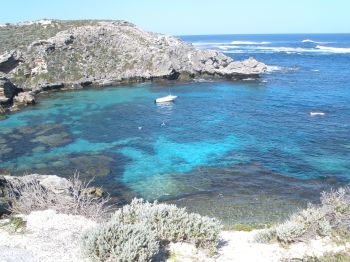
[52,54]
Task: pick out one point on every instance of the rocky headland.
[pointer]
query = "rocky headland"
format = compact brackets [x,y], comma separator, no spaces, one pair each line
[51,54]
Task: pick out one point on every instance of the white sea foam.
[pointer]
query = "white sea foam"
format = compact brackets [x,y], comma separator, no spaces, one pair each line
[249,43]
[270,49]
[290,50]
[208,43]
[274,68]
[315,42]
[333,49]
[239,47]
[226,47]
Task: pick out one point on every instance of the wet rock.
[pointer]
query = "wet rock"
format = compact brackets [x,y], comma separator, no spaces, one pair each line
[43,129]
[26,130]
[4,150]
[52,140]
[93,191]
[7,91]
[38,149]
[92,165]
[58,164]
[24,98]
[15,136]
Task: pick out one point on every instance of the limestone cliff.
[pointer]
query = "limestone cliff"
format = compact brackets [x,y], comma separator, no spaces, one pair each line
[52,54]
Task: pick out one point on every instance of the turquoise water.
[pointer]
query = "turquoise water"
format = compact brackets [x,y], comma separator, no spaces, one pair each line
[240,151]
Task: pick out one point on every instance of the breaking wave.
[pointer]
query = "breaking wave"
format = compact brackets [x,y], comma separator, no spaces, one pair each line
[315,42]
[288,50]
[274,68]
[333,49]
[249,43]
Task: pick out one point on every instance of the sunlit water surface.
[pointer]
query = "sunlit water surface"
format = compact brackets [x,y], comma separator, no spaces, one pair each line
[246,152]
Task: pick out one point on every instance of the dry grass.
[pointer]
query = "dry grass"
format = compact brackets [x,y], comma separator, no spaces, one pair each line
[28,196]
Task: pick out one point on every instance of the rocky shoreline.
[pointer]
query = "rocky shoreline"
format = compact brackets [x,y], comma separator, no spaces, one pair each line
[50,235]
[60,55]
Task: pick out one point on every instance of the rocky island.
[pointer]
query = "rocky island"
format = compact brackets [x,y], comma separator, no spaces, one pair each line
[52,54]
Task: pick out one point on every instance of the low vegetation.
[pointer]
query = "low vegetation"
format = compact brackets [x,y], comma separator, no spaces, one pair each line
[343,256]
[13,224]
[330,218]
[138,231]
[30,195]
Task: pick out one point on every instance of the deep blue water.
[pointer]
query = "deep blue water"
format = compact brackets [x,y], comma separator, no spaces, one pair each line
[244,151]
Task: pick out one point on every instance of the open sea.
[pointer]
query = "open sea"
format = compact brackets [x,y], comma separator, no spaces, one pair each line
[245,152]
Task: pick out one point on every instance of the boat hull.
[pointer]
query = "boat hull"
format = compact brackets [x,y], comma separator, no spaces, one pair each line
[165,99]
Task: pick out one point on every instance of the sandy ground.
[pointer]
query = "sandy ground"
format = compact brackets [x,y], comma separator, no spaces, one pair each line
[48,237]
[239,246]
[55,237]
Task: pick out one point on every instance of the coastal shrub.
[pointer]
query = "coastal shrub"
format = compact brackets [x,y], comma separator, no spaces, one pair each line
[330,218]
[115,241]
[166,223]
[29,195]
[337,208]
[290,231]
[171,223]
[265,236]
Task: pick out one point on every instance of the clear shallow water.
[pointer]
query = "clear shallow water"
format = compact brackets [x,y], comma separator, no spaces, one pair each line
[242,151]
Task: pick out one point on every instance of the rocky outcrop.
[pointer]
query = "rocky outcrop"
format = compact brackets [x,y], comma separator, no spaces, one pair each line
[7,91]
[54,184]
[9,60]
[76,54]
[24,98]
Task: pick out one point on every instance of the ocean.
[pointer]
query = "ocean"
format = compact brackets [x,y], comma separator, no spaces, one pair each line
[245,152]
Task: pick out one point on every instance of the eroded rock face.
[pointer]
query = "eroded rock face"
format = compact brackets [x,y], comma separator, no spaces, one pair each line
[114,51]
[24,98]
[9,60]
[7,91]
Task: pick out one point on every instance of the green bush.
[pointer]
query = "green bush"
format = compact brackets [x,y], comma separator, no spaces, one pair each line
[155,223]
[120,242]
[331,217]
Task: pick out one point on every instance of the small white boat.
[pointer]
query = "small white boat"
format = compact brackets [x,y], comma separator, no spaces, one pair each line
[317,114]
[165,99]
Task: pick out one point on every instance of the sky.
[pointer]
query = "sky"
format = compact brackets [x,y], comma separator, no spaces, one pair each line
[195,17]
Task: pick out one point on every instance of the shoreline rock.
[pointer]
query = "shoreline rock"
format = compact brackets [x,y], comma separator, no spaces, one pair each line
[51,183]
[64,55]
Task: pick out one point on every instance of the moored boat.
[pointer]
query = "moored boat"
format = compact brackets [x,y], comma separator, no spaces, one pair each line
[165,99]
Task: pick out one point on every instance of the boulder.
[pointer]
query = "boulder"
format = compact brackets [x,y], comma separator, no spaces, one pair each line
[24,98]
[7,91]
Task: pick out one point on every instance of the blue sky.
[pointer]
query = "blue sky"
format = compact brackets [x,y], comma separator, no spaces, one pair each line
[183,17]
